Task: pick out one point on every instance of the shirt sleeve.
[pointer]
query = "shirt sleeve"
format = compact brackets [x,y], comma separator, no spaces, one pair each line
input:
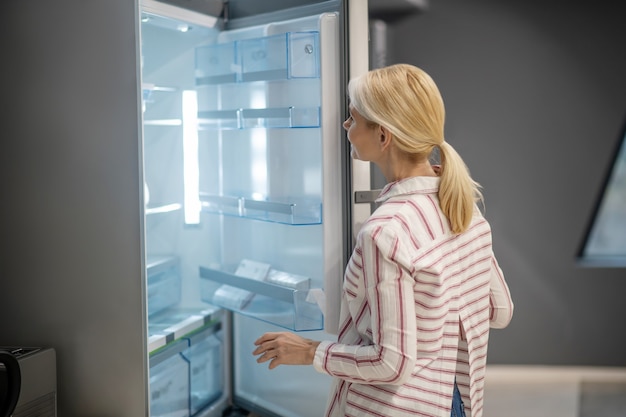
[500,302]
[388,287]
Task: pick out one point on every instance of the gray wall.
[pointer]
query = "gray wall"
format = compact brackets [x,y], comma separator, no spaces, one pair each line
[536,101]
[70,228]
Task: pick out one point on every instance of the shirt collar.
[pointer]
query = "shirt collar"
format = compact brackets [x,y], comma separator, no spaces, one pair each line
[407,186]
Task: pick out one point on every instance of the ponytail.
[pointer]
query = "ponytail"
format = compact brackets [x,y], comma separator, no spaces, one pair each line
[406,100]
[458,192]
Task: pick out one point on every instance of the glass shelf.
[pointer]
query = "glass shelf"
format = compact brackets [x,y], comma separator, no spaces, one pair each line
[167,208]
[164,283]
[282,306]
[293,213]
[157,264]
[148,89]
[284,117]
[284,56]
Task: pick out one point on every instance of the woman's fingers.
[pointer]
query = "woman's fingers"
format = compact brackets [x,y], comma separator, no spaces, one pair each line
[266,337]
[261,348]
[268,354]
[268,347]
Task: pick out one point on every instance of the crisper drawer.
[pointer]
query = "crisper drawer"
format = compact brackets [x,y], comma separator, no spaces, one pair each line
[187,375]
[284,56]
[206,372]
[164,283]
[169,382]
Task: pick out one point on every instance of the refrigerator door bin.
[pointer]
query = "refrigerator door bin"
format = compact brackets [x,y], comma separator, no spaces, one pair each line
[289,55]
[293,213]
[298,93]
[277,57]
[280,117]
[216,64]
[284,117]
[219,119]
[281,305]
[205,367]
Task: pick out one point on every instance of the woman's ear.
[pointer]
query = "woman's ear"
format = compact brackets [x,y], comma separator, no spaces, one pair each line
[385,136]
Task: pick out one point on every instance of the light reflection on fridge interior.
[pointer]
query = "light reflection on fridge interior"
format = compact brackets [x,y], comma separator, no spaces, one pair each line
[259,164]
[258,143]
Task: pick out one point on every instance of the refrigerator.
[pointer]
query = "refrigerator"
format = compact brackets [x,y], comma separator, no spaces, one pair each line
[247,202]
[176,182]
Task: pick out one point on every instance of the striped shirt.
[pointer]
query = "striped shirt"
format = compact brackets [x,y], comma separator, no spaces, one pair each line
[417,305]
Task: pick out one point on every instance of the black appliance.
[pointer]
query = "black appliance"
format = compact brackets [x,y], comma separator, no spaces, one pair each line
[27,382]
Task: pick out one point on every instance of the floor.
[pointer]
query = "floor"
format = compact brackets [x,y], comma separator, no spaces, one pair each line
[545,391]
[522,391]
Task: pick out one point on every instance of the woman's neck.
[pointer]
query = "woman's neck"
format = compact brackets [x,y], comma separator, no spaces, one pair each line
[397,169]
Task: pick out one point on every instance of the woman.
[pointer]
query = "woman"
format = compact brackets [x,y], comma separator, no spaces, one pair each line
[422,287]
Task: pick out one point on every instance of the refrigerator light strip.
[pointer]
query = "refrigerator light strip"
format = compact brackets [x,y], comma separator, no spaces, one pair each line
[163,122]
[191,168]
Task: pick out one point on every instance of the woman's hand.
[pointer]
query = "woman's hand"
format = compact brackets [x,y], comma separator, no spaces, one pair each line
[284,348]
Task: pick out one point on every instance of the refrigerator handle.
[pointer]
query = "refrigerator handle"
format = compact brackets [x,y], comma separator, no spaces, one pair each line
[367,196]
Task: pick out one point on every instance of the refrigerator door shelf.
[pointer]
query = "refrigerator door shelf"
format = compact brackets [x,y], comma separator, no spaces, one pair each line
[282,305]
[289,55]
[298,93]
[278,57]
[291,213]
[281,117]
[175,323]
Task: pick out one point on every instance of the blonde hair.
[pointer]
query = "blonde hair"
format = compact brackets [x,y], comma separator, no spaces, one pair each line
[405,100]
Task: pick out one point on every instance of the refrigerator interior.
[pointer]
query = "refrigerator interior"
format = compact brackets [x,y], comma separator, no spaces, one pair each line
[187,375]
[240,213]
